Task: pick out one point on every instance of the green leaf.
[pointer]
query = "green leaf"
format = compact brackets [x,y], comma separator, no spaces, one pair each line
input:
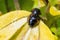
[3,6]
[35,3]
[53,2]
[11,5]
[42,9]
[58,22]
[58,31]
[53,29]
[26,4]
[58,26]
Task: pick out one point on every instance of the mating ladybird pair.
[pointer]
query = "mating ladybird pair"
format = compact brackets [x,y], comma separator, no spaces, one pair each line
[34,17]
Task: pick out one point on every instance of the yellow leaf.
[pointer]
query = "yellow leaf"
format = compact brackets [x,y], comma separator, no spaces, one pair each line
[11,17]
[20,30]
[54,11]
[45,33]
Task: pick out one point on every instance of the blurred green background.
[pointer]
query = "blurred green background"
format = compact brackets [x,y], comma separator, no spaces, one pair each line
[10,5]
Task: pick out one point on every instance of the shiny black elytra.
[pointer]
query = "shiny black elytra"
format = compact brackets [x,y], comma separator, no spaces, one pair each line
[34,18]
